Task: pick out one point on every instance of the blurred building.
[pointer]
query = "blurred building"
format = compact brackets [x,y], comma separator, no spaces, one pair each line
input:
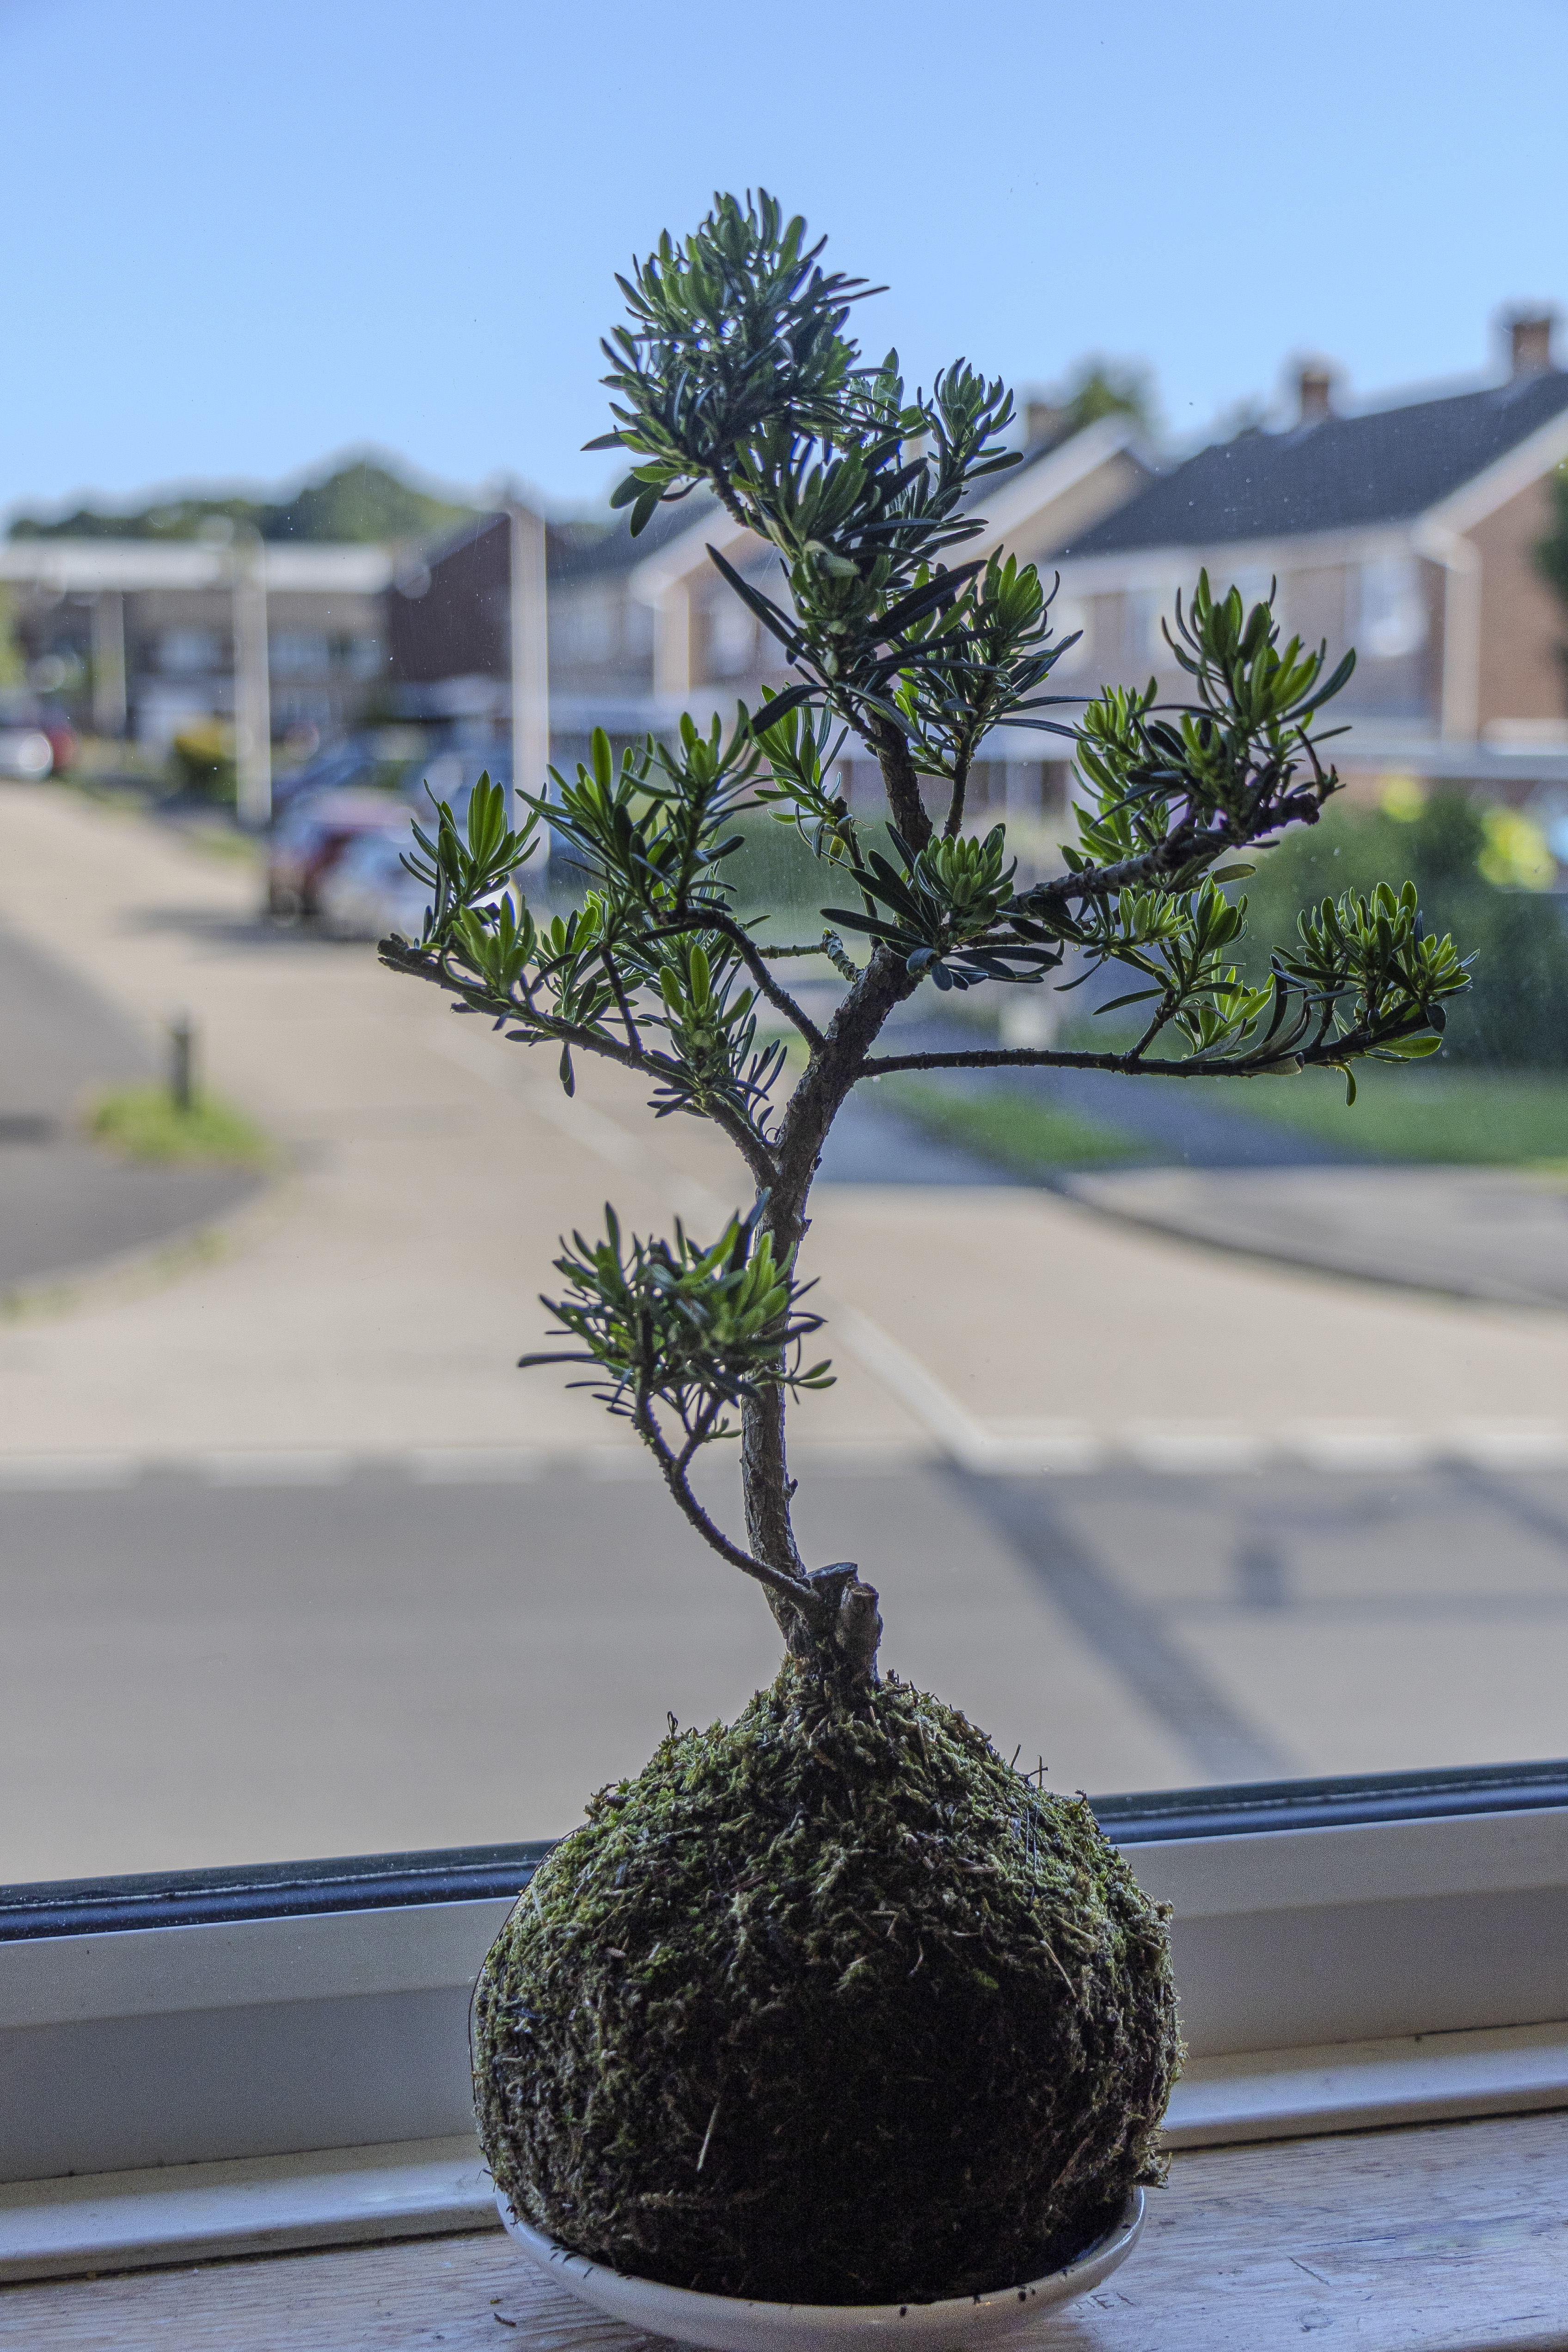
[150,632]
[1408,532]
[640,630]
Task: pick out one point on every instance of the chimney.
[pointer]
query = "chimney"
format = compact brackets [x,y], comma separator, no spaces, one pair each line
[1043,420]
[1314,390]
[1530,333]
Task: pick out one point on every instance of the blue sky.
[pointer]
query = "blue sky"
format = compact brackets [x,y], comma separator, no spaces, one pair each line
[240,239]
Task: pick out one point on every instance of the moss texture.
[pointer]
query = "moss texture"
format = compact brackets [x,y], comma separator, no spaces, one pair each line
[829,2005]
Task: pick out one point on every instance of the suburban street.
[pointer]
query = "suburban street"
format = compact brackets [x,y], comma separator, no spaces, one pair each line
[293,1560]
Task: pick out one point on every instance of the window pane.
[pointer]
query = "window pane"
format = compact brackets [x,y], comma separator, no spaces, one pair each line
[1193,1431]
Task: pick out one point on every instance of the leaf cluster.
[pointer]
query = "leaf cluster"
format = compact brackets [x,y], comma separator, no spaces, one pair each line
[1190,783]
[735,372]
[653,967]
[693,1329]
[941,913]
[1371,978]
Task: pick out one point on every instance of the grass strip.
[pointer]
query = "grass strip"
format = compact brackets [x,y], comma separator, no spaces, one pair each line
[1015,1129]
[1465,1117]
[143,1123]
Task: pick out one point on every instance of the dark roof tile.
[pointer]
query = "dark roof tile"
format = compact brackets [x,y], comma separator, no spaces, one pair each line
[1333,475]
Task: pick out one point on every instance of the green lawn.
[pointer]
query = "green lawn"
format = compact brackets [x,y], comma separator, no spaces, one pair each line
[142,1122]
[1503,1120]
[1463,1116]
[1009,1128]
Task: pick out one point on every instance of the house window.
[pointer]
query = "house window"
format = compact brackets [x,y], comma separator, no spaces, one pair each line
[361,657]
[300,653]
[1388,615]
[1073,616]
[584,628]
[1146,612]
[1255,582]
[732,639]
[189,653]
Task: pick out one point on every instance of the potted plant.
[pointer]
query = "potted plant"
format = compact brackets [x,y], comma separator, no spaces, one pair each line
[831,2006]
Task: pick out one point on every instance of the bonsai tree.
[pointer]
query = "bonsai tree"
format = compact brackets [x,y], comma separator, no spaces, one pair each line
[831,2004]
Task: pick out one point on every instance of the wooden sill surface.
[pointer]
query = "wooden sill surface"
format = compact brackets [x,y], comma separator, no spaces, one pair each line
[1450,2238]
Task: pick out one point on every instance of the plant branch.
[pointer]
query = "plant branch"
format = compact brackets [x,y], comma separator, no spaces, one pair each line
[614,977]
[955,803]
[1128,1065]
[1192,839]
[400,956]
[793,1589]
[717,919]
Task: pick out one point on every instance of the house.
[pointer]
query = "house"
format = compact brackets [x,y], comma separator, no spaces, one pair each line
[449,616]
[166,632]
[1407,531]
[153,622]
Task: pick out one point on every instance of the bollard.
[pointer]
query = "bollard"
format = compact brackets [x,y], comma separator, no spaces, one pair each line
[182,1057]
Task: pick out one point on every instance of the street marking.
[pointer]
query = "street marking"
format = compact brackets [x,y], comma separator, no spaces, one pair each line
[1193,1448]
[1356,1446]
[608,1465]
[315,1468]
[47,1474]
[1502,1445]
[1008,1448]
[999,1448]
[475,1465]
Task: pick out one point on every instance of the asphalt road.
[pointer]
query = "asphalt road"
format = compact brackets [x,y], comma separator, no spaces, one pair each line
[217,1662]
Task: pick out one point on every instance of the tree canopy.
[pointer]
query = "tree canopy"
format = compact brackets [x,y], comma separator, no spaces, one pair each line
[366,500]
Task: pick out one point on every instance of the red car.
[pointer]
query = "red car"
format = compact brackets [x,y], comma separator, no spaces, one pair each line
[310,838]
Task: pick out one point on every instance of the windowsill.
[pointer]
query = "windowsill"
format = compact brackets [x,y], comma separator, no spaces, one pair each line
[1447,2236]
[244,2060]
[406,2188]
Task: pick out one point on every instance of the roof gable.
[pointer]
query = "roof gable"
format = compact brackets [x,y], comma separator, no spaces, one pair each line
[1338,473]
[1049,471]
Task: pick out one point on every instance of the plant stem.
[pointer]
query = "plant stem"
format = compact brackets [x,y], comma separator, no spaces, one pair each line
[835,1063]
[675,1466]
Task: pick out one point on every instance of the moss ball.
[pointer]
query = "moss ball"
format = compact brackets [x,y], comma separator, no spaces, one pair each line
[829,2005]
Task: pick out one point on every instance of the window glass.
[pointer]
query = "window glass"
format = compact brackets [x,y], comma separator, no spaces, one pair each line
[1193,1429]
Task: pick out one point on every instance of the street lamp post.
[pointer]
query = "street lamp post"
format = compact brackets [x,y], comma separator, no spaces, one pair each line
[530,662]
[252,690]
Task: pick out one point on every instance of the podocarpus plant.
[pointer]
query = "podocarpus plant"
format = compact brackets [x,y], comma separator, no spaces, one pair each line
[831,2004]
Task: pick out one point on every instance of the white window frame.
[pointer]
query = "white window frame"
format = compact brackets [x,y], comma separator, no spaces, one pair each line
[243,2061]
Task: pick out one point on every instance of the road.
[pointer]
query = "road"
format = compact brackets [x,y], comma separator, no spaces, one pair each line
[266,1658]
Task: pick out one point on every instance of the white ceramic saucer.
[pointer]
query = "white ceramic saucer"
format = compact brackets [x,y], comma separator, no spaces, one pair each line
[728,2324]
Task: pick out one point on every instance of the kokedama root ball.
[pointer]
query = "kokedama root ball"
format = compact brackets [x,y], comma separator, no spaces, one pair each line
[829,2005]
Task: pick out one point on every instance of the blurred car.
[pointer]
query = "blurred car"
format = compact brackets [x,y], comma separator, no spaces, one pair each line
[36,739]
[341,767]
[312,834]
[367,892]
[450,775]
[25,754]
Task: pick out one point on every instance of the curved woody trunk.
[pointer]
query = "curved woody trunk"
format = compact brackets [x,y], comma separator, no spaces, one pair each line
[836,1625]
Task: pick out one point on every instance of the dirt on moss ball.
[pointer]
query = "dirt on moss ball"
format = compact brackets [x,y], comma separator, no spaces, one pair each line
[829,2005]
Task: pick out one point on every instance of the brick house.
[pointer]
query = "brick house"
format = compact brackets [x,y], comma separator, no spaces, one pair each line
[1408,532]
